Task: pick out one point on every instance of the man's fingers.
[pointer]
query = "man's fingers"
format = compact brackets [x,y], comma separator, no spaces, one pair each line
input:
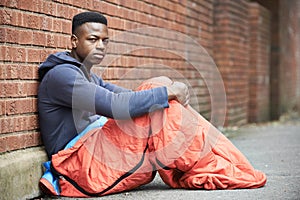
[183,96]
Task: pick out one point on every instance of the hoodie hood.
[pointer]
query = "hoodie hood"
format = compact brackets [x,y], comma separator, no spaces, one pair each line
[56,59]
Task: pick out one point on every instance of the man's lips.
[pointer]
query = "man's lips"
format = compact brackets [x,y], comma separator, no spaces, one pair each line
[98,55]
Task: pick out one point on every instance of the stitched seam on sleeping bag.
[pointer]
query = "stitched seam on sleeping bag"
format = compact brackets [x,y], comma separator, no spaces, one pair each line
[162,165]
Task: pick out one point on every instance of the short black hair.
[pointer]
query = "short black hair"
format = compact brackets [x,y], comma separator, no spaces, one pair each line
[85,17]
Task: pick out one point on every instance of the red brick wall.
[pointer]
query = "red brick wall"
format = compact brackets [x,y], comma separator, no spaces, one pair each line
[297,40]
[30,30]
[289,55]
[231,53]
[176,38]
[285,62]
[259,67]
[168,48]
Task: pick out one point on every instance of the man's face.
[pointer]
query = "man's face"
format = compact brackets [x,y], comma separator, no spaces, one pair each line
[89,43]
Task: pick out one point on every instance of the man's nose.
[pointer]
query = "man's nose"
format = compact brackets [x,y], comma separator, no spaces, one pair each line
[100,44]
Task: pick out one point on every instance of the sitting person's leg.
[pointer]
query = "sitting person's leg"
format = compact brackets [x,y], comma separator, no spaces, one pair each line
[178,142]
[193,154]
[107,160]
[110,159]
[189,152]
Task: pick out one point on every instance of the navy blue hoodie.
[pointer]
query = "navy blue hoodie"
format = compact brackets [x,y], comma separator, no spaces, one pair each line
[69,100]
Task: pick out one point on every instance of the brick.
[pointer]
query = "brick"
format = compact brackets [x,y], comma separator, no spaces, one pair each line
[66,27]
[23,4]
[62,10]
[2,34]
[3,71]
[18,141]
[2,107]
[10,35]
[46,23]
[18,71]
[13,53]
[50,40]
[33,55]
[50,8]
[57,25]
[20,106]
[37,5]
[39,38]
[10,124]
[108,8]
[18,89]
[32,21]
[25,37]
[6,16]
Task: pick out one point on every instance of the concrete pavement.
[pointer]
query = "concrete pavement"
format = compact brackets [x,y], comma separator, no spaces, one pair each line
[273,148]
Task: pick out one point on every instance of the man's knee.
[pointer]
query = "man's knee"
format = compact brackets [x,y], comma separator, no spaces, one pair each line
[160,80]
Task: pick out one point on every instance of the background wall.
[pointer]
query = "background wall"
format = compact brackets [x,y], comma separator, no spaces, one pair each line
[231,53]
[251,48]
[32,30]
[289,54]
[235,33]
[259,63]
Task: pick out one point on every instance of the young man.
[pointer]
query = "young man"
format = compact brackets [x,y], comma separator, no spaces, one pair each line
[103,139]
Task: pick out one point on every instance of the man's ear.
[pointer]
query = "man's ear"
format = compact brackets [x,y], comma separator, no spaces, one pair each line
[74,41]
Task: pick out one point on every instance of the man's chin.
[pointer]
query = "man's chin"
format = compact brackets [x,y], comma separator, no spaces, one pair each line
[93,62]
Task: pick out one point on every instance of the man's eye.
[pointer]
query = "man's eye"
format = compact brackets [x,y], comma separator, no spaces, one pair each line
[93,39]
[105,41]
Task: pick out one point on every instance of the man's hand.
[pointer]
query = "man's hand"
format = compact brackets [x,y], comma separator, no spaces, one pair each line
[180,92]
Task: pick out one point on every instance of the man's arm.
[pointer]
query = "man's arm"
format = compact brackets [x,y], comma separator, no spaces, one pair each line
[68,87]
[175,90]
[111,87]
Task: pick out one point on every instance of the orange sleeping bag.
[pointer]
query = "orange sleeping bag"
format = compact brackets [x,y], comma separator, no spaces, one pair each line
[177,142]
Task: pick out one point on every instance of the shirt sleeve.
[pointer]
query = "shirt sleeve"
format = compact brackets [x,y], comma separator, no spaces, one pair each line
[111,87]
[69,88]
